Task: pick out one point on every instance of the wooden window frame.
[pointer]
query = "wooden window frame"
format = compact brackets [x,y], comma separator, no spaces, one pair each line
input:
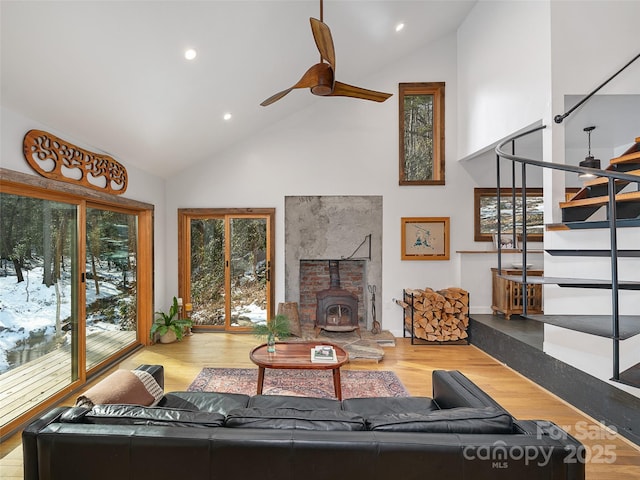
[185,215]
[480,235]
[18,183]
[436,89]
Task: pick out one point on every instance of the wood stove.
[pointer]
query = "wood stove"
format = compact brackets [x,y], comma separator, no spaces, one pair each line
[337,308]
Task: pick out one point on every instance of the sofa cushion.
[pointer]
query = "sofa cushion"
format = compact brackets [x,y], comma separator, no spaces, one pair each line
[205,401]
[134,387]
[136,415]
[487,420]
[387,405]
[290,401]
[295,419]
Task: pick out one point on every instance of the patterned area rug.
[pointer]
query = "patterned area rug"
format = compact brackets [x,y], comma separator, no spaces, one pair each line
[301,383]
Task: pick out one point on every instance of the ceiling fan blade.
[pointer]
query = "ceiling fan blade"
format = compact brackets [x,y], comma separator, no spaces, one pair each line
[315,75]
[343,90]
[324,42]
[276,97]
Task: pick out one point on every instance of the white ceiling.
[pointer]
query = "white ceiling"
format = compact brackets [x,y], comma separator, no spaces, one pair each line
[112,74]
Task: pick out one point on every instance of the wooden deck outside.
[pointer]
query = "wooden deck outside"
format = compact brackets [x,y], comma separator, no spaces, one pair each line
[30,384]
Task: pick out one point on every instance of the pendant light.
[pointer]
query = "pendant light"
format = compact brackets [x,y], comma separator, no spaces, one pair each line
[589,161]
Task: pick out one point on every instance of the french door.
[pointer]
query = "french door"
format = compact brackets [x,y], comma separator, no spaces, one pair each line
[225,266]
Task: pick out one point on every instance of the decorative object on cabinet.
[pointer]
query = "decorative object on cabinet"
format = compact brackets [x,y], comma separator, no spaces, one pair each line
[425,238]
[506,242]
[421,133]
[58,159]
[508,295]
[436,317]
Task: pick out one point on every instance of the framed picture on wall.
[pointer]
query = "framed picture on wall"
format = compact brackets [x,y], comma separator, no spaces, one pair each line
[425,238]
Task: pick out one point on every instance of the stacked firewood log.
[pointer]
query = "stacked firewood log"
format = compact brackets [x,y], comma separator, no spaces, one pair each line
[438,316]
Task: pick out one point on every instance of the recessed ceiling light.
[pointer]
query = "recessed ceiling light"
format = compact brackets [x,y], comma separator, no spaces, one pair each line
[399,27]
[190,54]
[227,116]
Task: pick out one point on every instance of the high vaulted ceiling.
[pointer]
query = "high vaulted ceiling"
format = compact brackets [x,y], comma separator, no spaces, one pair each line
[112,74]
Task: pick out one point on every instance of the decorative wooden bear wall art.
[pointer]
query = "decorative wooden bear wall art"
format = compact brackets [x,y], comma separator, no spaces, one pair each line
[57,159]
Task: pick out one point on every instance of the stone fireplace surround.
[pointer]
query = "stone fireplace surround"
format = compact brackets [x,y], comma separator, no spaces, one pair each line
[323,228]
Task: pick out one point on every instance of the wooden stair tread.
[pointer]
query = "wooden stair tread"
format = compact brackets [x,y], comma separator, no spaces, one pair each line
[605,180]
[628,158]
[603,200]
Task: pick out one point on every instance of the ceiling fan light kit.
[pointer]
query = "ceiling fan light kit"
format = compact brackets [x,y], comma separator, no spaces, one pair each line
[320,78]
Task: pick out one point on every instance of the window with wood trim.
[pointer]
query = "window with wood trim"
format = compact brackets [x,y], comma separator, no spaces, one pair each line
[421,139]
[485,212]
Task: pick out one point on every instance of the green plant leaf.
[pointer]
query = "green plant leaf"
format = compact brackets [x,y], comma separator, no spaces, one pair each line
[278,326]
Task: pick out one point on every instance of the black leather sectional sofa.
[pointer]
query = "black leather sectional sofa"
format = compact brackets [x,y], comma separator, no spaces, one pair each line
[460,433]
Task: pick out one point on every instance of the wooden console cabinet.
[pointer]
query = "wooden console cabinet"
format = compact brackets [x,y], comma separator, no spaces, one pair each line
[507,294]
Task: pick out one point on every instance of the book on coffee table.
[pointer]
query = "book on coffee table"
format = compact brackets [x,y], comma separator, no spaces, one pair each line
[323,354]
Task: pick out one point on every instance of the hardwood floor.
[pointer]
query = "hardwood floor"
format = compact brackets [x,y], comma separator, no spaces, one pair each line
[611,456]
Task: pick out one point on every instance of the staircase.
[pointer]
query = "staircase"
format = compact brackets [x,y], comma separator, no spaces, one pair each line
[595,194]
[617,191]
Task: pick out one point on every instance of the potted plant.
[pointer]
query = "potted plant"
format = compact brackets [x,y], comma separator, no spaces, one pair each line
[277,327]
[168,326]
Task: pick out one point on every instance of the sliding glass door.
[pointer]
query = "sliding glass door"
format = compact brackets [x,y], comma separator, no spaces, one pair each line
[111,283]
[39,300]
[225,267]
[75,291]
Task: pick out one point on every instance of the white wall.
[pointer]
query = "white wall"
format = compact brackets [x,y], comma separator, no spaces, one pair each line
[142,186]
[503,71]
[343,146]
[503,87]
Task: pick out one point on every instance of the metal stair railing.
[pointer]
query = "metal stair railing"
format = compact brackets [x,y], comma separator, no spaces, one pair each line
[611,176]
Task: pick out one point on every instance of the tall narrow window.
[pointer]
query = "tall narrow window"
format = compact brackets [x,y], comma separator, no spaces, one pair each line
[421,133]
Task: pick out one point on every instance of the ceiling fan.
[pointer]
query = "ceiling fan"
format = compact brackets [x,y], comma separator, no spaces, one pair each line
[320,78]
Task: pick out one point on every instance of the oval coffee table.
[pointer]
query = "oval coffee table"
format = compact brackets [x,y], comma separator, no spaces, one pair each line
[297,355]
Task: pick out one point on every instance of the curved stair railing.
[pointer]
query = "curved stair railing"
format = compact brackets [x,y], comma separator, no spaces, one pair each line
[612,222]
